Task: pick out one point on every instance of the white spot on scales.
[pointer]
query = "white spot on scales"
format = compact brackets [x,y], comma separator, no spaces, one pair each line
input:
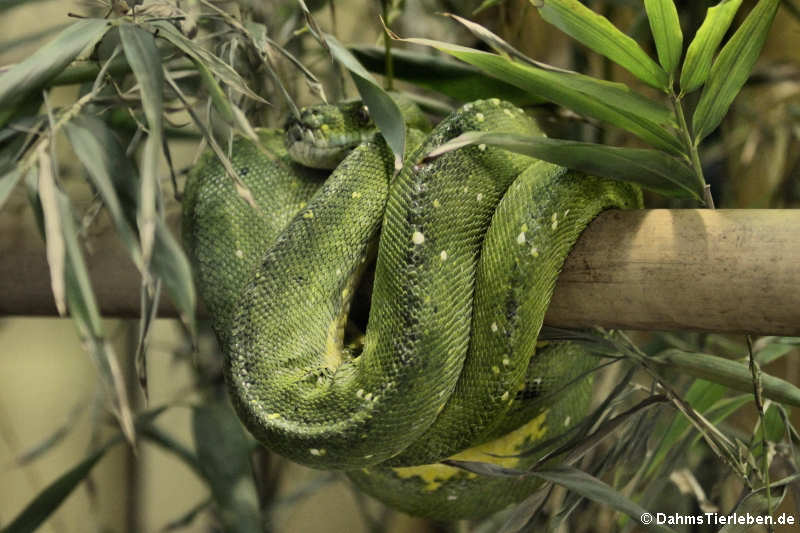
[417,237]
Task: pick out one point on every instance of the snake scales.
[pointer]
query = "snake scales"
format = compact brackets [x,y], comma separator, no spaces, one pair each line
[453,261]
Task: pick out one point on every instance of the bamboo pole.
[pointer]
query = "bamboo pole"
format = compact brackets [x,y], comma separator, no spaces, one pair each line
[691,269]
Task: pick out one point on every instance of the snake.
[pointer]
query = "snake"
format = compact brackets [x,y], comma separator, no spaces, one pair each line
[378,321]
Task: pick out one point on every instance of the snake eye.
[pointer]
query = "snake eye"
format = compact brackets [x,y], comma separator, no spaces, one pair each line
[363,114]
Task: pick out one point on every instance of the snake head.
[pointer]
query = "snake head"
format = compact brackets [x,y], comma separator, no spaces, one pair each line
[324,134]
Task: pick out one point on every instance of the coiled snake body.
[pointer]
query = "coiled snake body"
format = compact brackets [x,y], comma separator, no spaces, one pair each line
[468,246]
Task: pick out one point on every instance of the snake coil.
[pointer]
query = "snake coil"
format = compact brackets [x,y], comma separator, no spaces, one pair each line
[468,245]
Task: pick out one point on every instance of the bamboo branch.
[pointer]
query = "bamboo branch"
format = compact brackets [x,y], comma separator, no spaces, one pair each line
[724,271]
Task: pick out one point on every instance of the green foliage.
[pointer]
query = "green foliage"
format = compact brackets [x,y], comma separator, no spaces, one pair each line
[666,28]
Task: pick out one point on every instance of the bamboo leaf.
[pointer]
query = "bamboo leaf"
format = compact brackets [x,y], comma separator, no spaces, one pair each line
[51,498]
[730,373]
[773,348]
[701,396]
[611,102]
[8,181]
[773,424]
[526,509]
[599,34]
[666,28]
[99,145]
[53,231]
[232,114]
[758,503]
[723,409]
[592,488]
[697,64]
[80,297]
[498,44]
[145,61]
[382,109]
[185,519]
[223,452]
[99,152]
[443,75]
[651,169]
[732,68]
[169,444]
[198,54]
[172,266]
[49,60]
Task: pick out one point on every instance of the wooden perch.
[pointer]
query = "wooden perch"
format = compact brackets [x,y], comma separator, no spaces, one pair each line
[689,269]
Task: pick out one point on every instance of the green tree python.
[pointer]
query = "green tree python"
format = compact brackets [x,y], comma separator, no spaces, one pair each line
[454,260]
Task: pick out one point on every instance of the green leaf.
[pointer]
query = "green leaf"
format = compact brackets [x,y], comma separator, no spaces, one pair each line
[40,509]
[232,114]
[611,102]
[651,169]
[8,181]
[199,54]
[772,349]
[223,453]
[733,374]
[599,34]
[666,28]
[443,75]
[172,266]
[145,61]
[732,68]
[701,50]
[86,315]
[486,4]
[49,60]
[99,146]
[168,443]
[525,510]
[701,396]
[185,519]
[755,504]
[100,153]
[773,423]
[382,109]
[592,488]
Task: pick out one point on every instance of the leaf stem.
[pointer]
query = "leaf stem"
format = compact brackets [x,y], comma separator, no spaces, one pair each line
[691,148]
[387,45]
[755,371]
